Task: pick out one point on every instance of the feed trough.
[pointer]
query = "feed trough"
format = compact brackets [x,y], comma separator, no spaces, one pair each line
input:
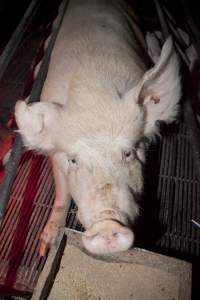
[72,273]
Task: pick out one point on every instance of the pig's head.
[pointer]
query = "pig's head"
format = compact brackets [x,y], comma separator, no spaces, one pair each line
[98,148]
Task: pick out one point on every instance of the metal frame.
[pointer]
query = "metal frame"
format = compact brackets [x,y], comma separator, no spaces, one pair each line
[189,116]
[11,166]
[17,36]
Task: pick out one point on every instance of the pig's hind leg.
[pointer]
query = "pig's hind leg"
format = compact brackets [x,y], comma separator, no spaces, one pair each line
[59,211]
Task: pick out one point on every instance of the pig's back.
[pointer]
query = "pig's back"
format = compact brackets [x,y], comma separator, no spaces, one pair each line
[100,44]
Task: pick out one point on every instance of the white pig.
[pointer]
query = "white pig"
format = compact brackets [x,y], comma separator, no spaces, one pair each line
[98,102]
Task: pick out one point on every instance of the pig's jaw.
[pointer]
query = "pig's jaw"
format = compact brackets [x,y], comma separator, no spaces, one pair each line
[107,236]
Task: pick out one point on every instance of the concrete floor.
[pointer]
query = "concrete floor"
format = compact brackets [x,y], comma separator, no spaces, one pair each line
[136,275]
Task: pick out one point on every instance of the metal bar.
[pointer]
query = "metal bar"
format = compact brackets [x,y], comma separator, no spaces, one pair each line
[192,26]
[39,82]
[194,132]
[184,212]
[161,17]
[196,223]
[17,36]
[165,27]
[10,171]
[13,162]
[178,41]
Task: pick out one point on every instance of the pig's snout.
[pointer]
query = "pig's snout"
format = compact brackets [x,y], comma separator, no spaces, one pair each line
[106,237]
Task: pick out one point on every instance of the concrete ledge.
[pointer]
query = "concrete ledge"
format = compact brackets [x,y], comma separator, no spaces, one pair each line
[135,274]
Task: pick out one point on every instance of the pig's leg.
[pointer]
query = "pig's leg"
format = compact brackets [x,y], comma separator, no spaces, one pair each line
[59,210]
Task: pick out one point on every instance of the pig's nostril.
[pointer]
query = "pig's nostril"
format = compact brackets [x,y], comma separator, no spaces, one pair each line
[90,235]
[108,237]
[115,234]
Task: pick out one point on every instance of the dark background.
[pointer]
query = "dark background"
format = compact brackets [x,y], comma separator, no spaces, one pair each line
[11,11]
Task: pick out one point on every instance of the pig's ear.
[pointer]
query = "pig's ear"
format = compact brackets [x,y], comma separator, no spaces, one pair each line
[159,90]
[36,123]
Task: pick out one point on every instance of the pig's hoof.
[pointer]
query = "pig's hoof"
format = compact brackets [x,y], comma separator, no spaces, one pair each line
[106,237]
[48,237]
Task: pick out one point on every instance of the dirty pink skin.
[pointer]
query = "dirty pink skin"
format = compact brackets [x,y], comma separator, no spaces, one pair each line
[98,101]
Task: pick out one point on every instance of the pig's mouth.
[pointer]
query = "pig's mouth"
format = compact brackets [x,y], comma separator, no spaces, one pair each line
[107,236]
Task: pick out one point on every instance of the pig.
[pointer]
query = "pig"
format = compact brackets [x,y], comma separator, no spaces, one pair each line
[100,99]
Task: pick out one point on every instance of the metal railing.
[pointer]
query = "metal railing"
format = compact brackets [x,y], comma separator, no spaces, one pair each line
[12,164]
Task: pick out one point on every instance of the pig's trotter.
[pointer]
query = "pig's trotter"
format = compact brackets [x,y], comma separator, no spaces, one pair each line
[59,209]
[48,237]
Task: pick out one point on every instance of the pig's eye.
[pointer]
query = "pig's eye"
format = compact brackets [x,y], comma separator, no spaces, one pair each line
[73,161]
[128,155]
